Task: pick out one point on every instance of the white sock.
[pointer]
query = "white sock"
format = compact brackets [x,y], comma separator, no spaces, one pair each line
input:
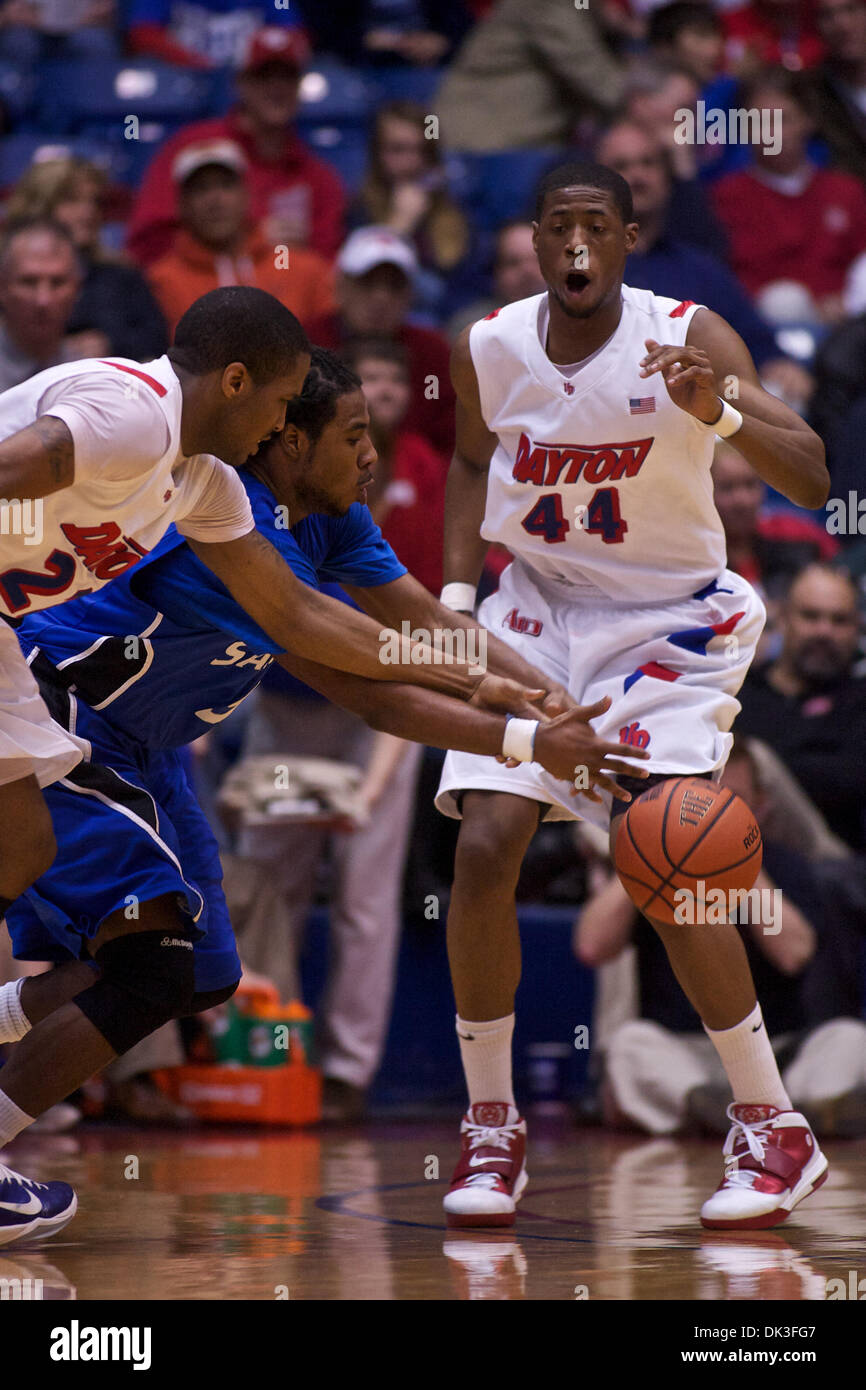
[12,1120]
[748,1060]
[14,1023]
[486,1052]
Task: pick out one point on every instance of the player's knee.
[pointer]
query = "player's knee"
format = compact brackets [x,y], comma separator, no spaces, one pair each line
[148,979]
[486,852]
[203,1000]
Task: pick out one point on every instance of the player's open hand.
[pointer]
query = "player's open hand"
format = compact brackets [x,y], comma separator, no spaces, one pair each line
[688,376]
[569,749]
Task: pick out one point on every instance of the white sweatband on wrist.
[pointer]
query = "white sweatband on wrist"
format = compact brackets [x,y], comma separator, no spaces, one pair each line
[519,739]
[14,1023]
[460,598]
[728,422]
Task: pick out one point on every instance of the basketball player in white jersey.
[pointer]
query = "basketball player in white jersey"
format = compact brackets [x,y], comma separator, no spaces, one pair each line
[586,419]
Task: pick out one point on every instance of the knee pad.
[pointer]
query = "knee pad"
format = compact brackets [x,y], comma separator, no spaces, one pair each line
[148,978]
[208,999]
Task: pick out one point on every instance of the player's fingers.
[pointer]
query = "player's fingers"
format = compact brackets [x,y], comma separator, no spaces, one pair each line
[621,750]
[585,712]
[617,792]
[618,769]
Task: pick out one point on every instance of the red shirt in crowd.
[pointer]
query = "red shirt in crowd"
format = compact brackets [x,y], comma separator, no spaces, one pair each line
[297,186]
[412,513]
[810,237]
[429,357]
[751,31]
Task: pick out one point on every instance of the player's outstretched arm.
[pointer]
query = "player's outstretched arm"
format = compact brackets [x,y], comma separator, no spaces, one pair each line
[320,628]
[715,367]
[38,460]
[466,488]
[426,716]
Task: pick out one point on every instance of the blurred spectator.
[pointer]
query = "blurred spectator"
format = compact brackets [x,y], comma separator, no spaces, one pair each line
[201,33]
[840,380]
[407,497]
[810,706]
[663,263]
[405,189]
[418,33]
[515,275]
[836,89]
[661,1073]
[297,198]
[767,548]
[690,34]
[376,271]
[656,95]
[771,31]
[526,75]
[216,245]
[40,279]
[805,226]
[33,31]
[115,299]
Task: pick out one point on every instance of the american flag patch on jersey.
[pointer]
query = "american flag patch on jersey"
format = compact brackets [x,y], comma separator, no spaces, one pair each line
[642,405]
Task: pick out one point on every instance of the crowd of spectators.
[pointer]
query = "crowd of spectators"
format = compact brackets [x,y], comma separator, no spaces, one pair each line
[403,212]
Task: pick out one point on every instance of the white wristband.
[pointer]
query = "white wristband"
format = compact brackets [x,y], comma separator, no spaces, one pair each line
[459,597]
[519,739]
[728,422]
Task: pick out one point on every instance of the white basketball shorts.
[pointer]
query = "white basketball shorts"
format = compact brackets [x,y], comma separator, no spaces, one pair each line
[672,671]
[31,743]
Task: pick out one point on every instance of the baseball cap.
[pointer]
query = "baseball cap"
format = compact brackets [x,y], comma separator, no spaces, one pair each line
[194,157]
[371,246]
[274,45]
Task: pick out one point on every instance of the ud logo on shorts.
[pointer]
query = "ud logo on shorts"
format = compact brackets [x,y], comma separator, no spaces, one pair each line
[634,735]
[530,627]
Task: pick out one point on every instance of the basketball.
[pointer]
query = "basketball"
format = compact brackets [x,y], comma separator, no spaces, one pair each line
[683,830]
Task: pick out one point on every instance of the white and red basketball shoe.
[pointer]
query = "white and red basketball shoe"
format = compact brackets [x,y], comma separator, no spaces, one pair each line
[772,1161]
[490,1176]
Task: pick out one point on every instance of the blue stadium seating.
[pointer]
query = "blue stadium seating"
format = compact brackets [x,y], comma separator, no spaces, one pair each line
[344,149]
[399,83]
[504,183]
[96,97]
[334,95]
[121,162]
[17,93]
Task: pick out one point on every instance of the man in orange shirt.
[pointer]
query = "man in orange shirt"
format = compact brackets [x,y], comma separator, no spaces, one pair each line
[216,244]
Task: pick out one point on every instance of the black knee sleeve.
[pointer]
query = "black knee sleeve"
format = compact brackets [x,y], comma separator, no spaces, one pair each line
[147,979]
[208,999]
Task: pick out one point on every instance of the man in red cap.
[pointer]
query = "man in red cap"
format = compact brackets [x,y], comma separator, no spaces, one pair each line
[295,197]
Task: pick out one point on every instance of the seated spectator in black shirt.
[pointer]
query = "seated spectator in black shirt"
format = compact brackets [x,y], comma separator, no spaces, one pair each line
[660,1072]
[836,89]
[810,706]
[662,262]
[115,306]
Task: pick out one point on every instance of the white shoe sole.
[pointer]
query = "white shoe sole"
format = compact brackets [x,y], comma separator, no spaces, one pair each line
[456,1219]
[40,1228]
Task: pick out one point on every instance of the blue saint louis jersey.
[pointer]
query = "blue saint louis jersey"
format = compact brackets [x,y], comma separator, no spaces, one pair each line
[164,652]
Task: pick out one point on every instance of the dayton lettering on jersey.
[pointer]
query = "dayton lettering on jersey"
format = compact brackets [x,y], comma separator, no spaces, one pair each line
[103,550]
[547,465]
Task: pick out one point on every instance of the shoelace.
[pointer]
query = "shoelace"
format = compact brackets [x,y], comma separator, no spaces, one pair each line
[480,1136]
[756,1136]
[7,1175]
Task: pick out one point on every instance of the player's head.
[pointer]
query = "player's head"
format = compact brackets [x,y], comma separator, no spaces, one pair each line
[583,214]
[323,455]
[821,625]
[242,356]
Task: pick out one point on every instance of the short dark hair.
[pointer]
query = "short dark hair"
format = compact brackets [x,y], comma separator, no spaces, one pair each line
[238,324]
[23,225]
[775,79]
[669,21]
[379,349]
[327,380]
[587,174]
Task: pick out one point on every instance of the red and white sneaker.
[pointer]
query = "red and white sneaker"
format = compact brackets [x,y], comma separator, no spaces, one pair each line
[490,1176]
[772,1161]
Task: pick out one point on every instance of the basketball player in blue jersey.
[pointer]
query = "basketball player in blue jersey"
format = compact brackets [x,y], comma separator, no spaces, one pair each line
[151,662]
[586,419]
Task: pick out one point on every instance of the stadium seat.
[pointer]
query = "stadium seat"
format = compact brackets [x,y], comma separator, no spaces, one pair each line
[334,95]
[98,97]
[17,93]
[505,183]
[399,83]
[123,162]
[344,149]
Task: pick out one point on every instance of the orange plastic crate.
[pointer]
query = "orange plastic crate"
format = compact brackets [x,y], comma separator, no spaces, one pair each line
[290,1095]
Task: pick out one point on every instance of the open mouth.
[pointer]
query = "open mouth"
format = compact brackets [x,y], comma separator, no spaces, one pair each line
[576,281]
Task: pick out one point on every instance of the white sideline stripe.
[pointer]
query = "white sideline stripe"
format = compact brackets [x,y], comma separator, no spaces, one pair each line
[137,820]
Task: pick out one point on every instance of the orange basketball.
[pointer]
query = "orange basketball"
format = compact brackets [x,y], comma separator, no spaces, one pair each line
[680,831]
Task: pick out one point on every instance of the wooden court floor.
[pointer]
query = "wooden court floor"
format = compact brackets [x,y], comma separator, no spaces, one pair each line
[356,1215]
